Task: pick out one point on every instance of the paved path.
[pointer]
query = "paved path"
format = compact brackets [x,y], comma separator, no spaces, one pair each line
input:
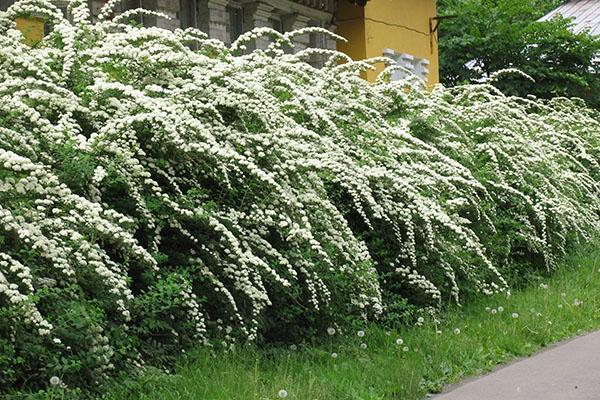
[569,371]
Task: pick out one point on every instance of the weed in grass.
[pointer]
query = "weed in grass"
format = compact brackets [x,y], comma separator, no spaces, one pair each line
[403,363]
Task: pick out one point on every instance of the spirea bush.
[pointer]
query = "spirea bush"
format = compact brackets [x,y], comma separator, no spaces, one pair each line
[160,190]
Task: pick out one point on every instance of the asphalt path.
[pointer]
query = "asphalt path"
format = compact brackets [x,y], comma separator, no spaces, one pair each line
[567,371]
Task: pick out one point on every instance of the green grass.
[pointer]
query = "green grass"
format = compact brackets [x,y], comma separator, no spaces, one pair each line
[384,370]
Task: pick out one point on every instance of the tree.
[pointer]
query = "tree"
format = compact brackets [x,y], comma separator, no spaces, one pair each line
[490,35]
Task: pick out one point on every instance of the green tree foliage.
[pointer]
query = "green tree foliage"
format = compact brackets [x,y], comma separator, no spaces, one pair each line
[489,35]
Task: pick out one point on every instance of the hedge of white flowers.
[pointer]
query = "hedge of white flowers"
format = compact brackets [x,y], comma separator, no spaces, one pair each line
[160,190]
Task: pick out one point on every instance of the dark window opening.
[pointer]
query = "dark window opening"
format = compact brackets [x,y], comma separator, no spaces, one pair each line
[236,23]
[146,20]
[187,14]
[277,24]
[4,4]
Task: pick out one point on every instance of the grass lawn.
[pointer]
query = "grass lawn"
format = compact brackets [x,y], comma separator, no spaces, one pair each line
[469,340]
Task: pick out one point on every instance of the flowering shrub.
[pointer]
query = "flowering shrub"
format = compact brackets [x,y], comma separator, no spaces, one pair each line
[154,196]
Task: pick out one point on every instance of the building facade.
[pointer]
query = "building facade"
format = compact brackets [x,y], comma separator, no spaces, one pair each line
[227,19]
[403,30]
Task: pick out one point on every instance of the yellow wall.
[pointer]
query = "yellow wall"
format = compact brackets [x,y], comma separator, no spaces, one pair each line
[400,25]
[32,29]
[351,25]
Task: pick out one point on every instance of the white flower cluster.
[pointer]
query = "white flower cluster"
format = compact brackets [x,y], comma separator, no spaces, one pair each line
[126,157]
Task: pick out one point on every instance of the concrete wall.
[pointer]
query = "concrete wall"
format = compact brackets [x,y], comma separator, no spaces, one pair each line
[350,20]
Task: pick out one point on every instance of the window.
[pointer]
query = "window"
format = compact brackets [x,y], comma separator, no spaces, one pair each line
[63,6]
[276,24]
[64,9]
[236,22]
[412,65]
[146,20]
[187,14]
[4,4]
[318,40]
